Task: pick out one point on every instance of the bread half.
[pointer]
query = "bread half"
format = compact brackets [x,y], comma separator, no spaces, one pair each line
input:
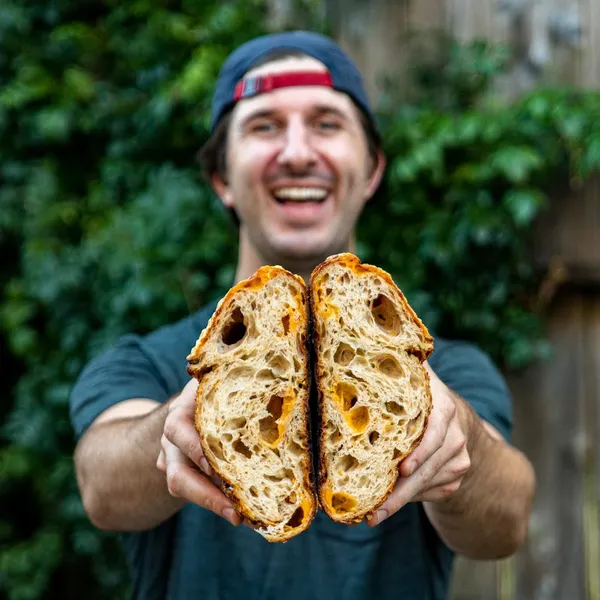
[374,393]
[251,362]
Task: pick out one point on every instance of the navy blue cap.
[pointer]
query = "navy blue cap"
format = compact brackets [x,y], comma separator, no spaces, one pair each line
[344,74]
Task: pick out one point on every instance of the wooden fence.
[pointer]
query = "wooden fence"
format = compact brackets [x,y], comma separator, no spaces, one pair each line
[557,404]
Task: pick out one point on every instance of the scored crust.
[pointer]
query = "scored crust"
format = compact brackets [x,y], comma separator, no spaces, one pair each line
[374,392]
[251,413]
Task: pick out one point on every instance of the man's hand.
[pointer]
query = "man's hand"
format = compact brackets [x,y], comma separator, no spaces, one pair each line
[435,469]
[183,462]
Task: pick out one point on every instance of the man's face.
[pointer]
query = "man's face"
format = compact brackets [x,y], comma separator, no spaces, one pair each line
[298,169]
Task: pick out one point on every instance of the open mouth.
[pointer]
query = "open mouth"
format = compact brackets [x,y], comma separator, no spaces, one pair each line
[289,195]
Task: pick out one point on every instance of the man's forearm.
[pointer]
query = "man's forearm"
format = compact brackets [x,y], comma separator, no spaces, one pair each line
[487,517]
[121,487]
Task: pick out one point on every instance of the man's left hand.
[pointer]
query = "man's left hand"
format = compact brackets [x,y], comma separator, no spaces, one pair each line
[434,471]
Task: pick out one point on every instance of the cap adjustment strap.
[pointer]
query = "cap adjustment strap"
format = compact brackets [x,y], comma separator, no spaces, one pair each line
[259,84]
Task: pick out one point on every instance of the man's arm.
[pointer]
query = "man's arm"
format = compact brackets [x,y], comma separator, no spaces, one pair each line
[116,466]
[476,489]
[487,517]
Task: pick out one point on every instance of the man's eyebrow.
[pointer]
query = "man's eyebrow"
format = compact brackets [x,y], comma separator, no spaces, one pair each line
[324,109]
[258,114]
[319,110]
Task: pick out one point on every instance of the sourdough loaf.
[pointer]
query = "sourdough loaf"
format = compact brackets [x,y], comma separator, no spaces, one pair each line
[374,393]
[251,413]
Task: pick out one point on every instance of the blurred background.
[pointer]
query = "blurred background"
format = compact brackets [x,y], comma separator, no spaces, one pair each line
[489,221]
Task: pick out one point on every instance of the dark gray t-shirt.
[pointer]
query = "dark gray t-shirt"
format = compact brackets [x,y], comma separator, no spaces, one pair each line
[197,554]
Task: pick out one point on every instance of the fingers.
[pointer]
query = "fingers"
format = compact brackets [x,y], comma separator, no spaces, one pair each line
[447,481]
[407,488]
[179,430]
[445,462]
[435,436]
[184,481]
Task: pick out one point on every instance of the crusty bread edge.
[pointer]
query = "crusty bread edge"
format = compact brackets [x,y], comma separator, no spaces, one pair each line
[354,263]
[260,277]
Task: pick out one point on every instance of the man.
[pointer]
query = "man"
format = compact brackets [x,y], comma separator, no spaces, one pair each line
[295,157]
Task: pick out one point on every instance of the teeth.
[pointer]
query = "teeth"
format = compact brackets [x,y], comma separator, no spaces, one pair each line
[301,194]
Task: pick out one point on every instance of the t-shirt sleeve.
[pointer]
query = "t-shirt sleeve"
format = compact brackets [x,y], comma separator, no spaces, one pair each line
[470,372]
[126,370]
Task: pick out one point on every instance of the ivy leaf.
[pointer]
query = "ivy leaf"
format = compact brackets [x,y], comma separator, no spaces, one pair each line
[516,163]
[591,158]
[523,205]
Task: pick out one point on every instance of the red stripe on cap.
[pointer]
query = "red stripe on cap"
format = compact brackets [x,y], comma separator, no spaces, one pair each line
[259,84]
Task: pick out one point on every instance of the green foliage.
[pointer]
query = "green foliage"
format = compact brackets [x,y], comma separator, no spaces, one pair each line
[105,226]
[467,178]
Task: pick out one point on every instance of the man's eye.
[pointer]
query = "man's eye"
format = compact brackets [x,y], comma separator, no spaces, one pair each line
[328,125]
[264,127]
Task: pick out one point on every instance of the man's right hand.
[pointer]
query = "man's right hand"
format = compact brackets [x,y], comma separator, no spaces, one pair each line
[183,462]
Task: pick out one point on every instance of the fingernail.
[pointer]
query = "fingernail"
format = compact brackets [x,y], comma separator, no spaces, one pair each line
[412,467]
[380,515]
[205,466]
[230,515]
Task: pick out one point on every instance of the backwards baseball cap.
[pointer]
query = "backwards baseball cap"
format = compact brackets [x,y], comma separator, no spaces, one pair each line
[341,75]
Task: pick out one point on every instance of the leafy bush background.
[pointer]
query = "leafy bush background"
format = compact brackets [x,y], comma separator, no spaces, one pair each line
[106,226]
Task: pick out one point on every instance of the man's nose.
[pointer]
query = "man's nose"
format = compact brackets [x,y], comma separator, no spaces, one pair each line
[297,153]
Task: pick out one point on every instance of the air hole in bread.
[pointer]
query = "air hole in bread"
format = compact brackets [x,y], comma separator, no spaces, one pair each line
[389,366]
[267,492]
[241,373]
[279,364]
[236,423]
[342,503]
[345,279]
[395,409]
[204,371]
[269,431]
[235,328]
[281,475]
[292,498]
[397,454]
[347,396]
[328,291]
[297,518]
[363,481]
[412,425]
[253,492]
[301,342]
[297,366]
[359,418]
[285,321]
[373,436]
[347,463]
[415,380]
[295,448]
[385,315]
[215,447]
[227,437]
[353,375]
[265,375]
[335,436]
[344,354]
[242,449]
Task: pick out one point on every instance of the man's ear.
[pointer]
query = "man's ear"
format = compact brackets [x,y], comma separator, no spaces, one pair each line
[377,171]
[222,189]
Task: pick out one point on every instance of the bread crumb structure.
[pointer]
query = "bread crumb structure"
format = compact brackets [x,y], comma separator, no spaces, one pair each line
[251,362]
[374,392]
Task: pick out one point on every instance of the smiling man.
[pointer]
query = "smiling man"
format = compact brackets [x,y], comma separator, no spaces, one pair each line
[295,157]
